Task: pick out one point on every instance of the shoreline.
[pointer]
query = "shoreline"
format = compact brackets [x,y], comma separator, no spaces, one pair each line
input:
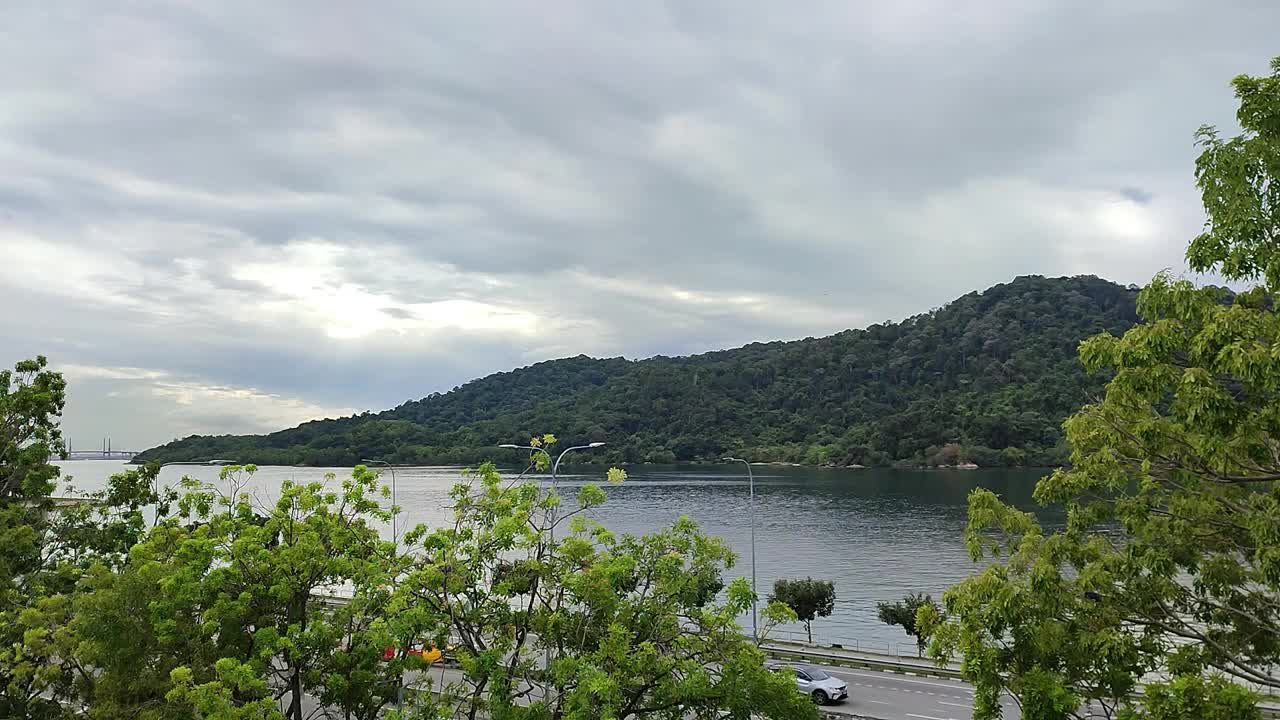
[688,463]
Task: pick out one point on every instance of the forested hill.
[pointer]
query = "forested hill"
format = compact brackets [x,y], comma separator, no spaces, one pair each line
[987,378]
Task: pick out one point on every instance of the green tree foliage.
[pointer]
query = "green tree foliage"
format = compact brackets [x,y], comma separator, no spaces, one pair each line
[225,607]
[555,616]
[809,599]
[31,400]
[226,590]
[988,379]
[1170,559]
[903,613]
[46,549]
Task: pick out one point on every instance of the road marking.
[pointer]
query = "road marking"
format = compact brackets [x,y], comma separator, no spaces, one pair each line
[879,702]
[967,707]
[926,717]
[953,686]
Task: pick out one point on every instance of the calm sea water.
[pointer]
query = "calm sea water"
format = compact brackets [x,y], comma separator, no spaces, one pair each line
[876,533]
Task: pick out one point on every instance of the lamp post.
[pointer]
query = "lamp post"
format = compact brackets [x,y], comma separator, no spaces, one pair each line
[555,474]
[555,467]
[400,686]
[198,462]
[155,486]
[395,537]
[751,484]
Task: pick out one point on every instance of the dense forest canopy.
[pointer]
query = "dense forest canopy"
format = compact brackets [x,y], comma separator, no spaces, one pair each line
[986,379]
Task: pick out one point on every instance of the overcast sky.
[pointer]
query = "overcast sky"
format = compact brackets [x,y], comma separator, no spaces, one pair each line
[235,216]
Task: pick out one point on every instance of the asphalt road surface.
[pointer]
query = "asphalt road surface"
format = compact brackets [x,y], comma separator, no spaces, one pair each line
[905,697]
[884,695]
[891,696]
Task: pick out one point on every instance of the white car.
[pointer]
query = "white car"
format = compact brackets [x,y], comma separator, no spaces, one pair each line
[815,682]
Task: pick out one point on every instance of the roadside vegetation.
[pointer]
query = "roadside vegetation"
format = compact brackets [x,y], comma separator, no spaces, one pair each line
[1169,564]
[809,599]
[904,612]
[227,606]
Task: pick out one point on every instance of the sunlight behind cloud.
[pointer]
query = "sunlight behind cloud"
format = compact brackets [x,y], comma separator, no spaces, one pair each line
[328,207]
[1127,220]
[306,281]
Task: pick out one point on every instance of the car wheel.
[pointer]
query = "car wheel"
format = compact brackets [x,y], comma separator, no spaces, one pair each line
[819,697]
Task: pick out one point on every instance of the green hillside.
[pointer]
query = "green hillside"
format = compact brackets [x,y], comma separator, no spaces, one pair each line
[987,378]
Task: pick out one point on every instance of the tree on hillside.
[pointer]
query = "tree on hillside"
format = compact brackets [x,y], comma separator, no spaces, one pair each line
[809,598]
[904,612]
[990,371]
[1170,560]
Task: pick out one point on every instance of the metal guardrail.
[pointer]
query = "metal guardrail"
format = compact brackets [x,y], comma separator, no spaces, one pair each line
[1270,707]
[864,660]
[879,647]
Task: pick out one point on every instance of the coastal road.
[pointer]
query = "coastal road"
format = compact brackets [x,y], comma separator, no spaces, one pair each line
[872,694]
[891,696]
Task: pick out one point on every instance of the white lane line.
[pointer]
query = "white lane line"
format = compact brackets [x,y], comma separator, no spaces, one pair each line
[881,677]
[926,717]
[879,702]
[966,707]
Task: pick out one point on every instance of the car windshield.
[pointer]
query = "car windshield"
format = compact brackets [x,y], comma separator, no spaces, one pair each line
[813,672]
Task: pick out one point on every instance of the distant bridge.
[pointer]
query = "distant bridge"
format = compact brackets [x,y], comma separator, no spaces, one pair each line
[105,453]
[101,454]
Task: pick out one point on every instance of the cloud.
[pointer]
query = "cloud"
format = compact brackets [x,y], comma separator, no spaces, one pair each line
[231,216]
[162,405]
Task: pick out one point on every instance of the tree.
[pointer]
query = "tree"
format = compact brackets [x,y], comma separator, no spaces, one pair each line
[224,601]
[554,616]
[1170,559]
[31,402]
[46,551]
[945,456]
[903,613]
[809,598]
[221,609]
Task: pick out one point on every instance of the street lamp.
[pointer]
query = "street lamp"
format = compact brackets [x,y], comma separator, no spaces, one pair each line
[395,549]
[395,537]
[555,470]
[198,462]
[156,485]
[555,467]
[751,483]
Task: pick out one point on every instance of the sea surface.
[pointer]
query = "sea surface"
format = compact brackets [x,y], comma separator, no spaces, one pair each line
[877,533]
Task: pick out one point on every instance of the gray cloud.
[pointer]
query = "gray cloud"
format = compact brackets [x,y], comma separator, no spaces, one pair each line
[1137,195]
[228,217]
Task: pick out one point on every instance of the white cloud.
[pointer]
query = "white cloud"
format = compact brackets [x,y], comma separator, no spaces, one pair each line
[307,284]
[139,406]
[75,373]
[227,217]
[37,264]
